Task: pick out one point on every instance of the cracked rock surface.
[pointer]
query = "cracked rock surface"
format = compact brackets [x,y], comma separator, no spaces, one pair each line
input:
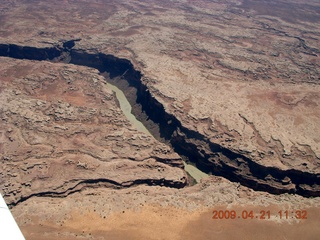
[240,76]
[62,131]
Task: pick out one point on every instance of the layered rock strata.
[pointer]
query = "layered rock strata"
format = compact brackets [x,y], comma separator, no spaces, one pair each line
[233,85]
[209,154]
[62,131]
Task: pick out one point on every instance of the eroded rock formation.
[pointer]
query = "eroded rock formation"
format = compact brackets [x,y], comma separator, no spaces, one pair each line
[208,154]
[231,85]
[62,131]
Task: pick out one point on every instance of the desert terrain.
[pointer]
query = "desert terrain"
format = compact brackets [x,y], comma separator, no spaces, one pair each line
[231,87]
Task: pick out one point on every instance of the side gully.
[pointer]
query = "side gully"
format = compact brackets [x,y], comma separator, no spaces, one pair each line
[209,157]
[92,183]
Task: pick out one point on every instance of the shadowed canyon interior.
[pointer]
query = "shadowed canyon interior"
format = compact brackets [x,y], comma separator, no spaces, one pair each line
[191,145]
[171,119]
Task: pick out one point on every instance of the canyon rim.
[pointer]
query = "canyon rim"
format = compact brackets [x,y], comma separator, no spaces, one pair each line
[229,86]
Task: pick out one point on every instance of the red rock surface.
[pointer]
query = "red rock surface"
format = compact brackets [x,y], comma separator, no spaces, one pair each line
[240,79]
[62,131]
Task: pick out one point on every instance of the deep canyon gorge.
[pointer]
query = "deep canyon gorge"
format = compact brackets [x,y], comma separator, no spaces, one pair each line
[215,158]
[231,87]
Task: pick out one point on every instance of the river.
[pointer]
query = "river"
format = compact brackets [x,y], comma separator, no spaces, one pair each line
[126,108]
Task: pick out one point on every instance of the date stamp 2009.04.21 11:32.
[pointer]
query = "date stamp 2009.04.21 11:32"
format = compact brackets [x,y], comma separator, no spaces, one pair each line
[260,214]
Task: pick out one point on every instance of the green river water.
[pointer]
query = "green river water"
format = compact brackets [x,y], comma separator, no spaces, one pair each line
[126,108]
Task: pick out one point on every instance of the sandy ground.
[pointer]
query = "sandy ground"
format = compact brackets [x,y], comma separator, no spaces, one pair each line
[155,222]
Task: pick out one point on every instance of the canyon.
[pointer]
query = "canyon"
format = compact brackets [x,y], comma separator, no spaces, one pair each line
[215,158]
[230,87]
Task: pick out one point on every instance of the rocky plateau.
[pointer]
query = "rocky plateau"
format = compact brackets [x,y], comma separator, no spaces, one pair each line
[232,87]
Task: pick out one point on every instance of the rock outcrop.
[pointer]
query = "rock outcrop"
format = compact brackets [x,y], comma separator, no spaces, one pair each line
[209,154]
[232,86]
[62,131]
